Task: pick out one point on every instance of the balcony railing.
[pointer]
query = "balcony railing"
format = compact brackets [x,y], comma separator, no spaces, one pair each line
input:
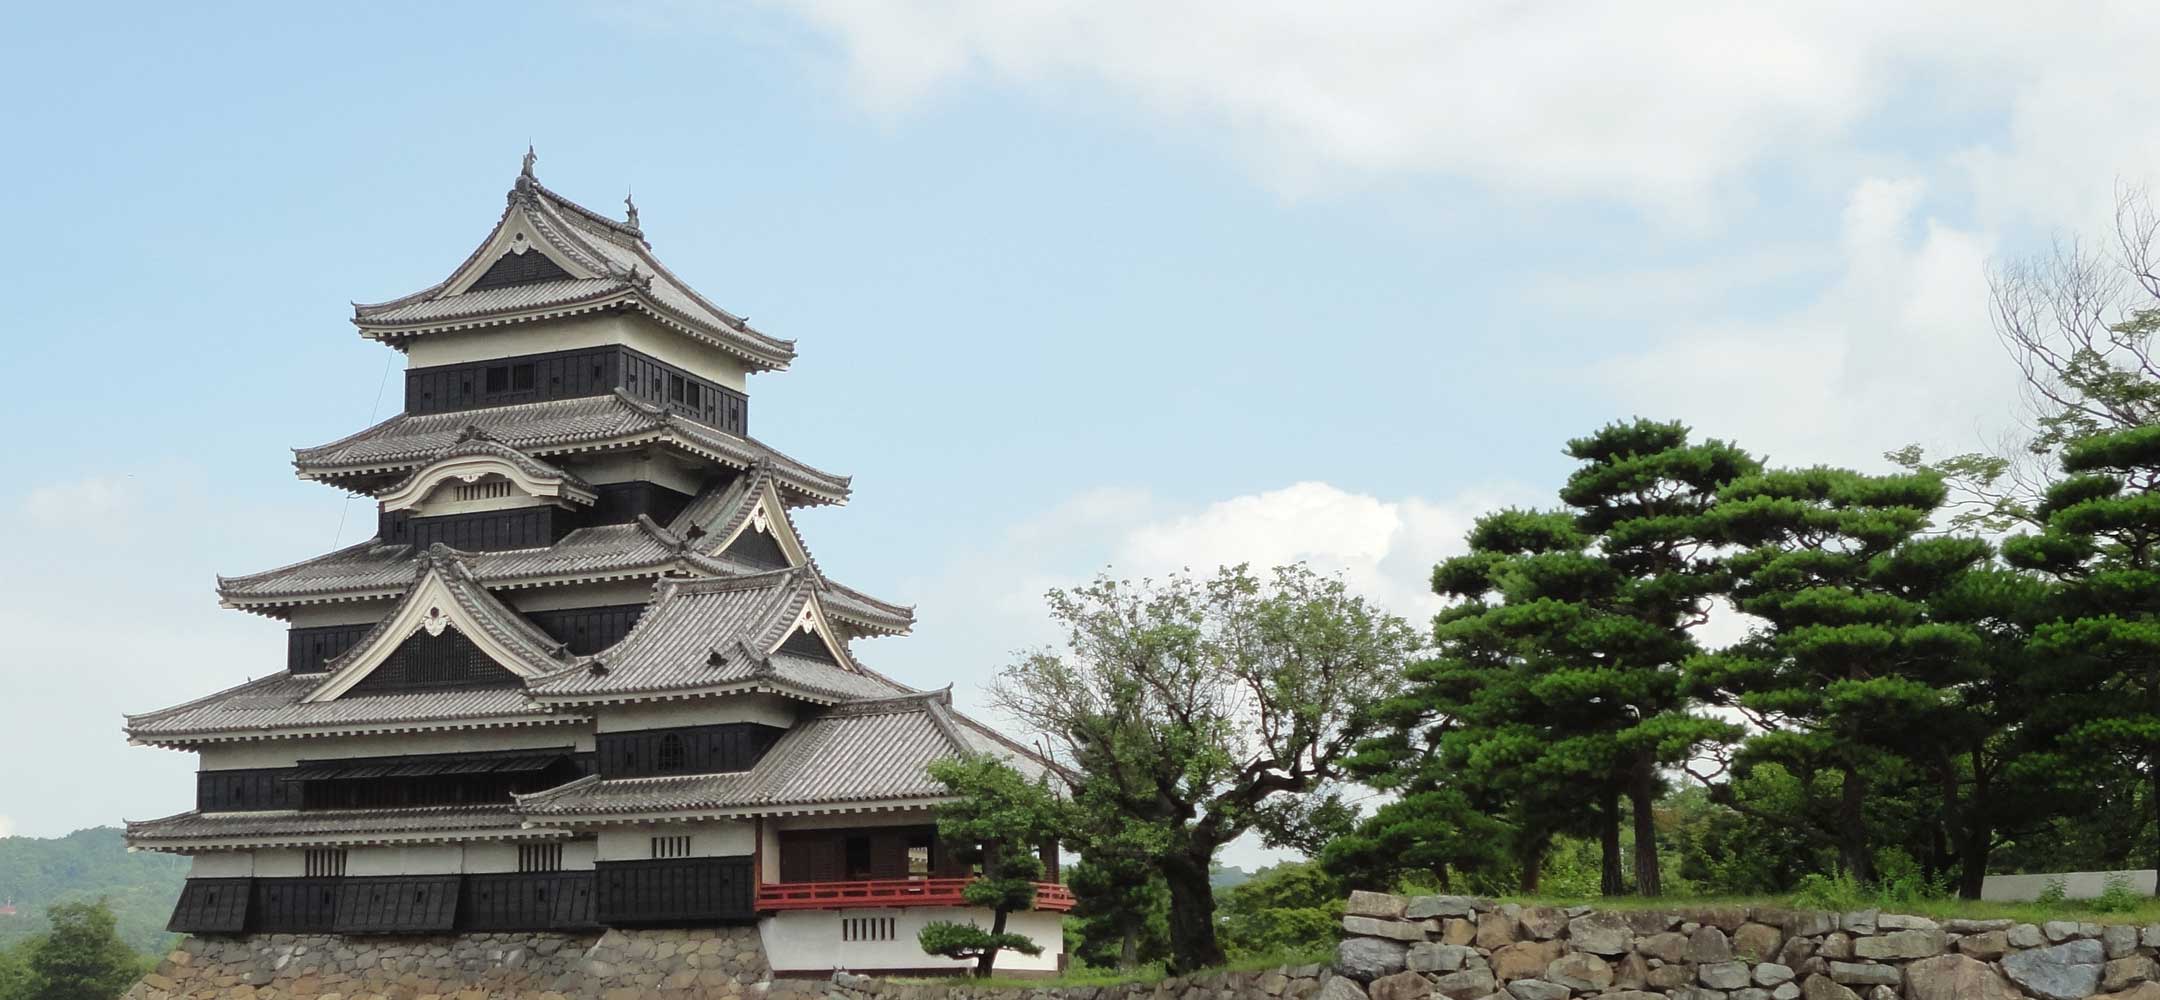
[890,892]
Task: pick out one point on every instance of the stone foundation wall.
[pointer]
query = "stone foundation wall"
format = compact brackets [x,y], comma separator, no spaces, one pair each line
[616,965]
[1290,982]
[1462,948]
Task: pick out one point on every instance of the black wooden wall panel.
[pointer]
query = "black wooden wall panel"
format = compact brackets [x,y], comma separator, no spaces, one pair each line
[621,503]
[758,548]
[211,906]
[592,371]
[397,904]
[528,901]
[307,648]
[434,661]
[676,891]
[588,630]
[295,905]
[731,746]
[246,790]
[481,530]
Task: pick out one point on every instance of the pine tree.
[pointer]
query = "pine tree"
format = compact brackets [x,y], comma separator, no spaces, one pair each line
[1854,672]
[2101,546]
[82,957]
[998,823]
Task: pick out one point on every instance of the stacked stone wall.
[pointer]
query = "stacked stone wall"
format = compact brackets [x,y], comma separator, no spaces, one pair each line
[616,965]
[1463,948]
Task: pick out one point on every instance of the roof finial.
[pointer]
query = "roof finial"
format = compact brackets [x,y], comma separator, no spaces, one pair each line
[630,207]
[530,157]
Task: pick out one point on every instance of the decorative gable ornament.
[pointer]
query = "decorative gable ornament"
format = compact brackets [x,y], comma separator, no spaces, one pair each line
[434,622]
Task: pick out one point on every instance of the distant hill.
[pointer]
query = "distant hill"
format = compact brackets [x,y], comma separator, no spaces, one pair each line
[1228,877]
[87,864]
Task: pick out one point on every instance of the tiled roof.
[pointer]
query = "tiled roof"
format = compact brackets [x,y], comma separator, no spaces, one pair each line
[333,825]
[865,752]
[622,270]
[273,704]
[719,512]
[591,423]
[711,633]
[640,549]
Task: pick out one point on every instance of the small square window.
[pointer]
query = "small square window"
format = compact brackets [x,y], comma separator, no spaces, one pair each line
[498,378]
[521,377]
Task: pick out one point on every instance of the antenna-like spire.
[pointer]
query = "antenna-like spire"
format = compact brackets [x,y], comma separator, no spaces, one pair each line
[530,158]
[630,208]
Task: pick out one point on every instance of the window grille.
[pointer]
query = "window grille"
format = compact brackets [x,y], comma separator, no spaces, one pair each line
[671,847]
[539,857]
[486,489]
[326,863]
[866,929]
[670,755]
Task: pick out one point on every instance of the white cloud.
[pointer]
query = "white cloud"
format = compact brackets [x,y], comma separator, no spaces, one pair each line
[1895,350]
[1661,104]
[7,826]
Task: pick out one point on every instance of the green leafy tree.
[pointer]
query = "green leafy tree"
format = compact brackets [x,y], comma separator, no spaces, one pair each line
[2101,547]
[1428,835]
[998,823]
[15,971]
[1121,911]
[82,957]
[1185,705]
[1854,669]
[1289,907]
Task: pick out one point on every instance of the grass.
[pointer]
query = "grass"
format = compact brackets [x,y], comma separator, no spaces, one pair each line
[1145,975]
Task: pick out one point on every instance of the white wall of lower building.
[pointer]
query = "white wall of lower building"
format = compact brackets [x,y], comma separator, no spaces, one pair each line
[816,940]
[477,858]
[714,839]
[222,864]
[2075,885]
[340,613]
[415,859]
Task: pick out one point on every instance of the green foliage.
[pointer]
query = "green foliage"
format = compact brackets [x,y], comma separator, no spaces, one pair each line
[15,982]
[81,957]
[2054,893]
[1189,709]
[140,888]
[1121,912]
[1283,907]
[998,822]
[2116,897]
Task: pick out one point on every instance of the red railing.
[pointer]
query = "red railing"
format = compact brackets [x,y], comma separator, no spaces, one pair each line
[890,892]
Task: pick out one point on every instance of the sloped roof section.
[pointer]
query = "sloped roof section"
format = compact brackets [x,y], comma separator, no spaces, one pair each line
[610,265]
[863,752]
[406,442]
[712,635]
[328,826]
[276,706]
[718,515]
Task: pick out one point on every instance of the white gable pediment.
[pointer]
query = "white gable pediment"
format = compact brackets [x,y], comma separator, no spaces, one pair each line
[516,236]
[468,469]
[769,517]
[432,607]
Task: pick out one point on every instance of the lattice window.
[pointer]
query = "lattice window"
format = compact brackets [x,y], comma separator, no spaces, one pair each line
[326,863]
[539,857]
[486,489]
[866,929]
[671,847]
[670,756]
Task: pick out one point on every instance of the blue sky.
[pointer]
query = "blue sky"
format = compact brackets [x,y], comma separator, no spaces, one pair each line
[1075,285]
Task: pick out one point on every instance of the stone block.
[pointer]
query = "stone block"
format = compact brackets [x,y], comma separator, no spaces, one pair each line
[1368,959]
[1495,930]
[1956,977]
[1400,986]
[1865,974]
[2068,971]
[1580,971]
[1393,930]
[1601,933]
[1469,984]
[1757,942]
[1421,907]
[1709,944]
[1900,945]
[1384,905]
[1723,975]
[1537,989]
[1523,959]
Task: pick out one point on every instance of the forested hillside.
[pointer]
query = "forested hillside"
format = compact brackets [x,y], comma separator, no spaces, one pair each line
[86,865]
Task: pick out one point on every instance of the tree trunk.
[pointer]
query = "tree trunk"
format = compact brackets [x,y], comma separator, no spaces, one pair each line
[1533,868]
[1128,957]
[1973,861]
[1611,881]
[1853,851]
[989,958]
[2152,775]
[1440,875]
[1642,797]
[1192,912]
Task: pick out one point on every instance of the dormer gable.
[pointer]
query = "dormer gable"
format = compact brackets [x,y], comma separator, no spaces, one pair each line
[476,470]
[444,620]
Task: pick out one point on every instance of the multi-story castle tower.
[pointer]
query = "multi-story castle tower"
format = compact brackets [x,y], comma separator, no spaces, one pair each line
[587,673]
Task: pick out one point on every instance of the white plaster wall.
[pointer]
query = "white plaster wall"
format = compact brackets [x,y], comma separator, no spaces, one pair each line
[584,595]
[285,753]
[342,613]
[502,856]
[809,940]
[280,862]
[417,859]
[222,864]
[713,839]
[2076,885]
[633,331]
[764,709]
